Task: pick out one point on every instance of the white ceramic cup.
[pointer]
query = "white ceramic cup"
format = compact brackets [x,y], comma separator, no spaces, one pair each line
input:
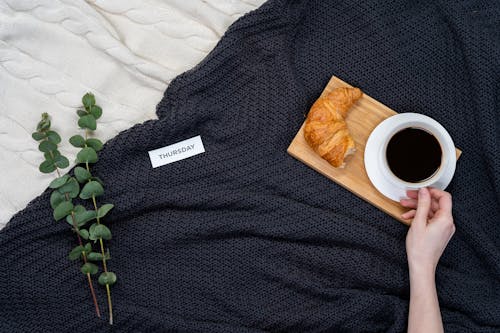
[376,162]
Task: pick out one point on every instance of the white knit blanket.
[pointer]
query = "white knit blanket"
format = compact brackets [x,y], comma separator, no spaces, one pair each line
[124,51]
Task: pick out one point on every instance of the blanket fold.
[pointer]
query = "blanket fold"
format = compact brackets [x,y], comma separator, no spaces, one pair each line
[243,237]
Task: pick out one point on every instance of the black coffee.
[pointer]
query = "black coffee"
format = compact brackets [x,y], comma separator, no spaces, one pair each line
[413,155]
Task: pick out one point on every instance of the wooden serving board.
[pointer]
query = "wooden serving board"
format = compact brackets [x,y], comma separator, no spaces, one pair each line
[362,118]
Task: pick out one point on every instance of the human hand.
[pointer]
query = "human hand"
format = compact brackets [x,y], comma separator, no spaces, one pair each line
[431,229]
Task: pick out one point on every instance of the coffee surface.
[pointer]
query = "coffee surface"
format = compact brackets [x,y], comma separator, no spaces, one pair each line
[413,155]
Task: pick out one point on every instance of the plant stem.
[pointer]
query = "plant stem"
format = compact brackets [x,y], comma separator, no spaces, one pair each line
[104,265]
[75,226]
[110,305]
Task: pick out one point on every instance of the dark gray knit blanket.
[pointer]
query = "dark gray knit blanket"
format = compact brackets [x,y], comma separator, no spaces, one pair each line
[245,238]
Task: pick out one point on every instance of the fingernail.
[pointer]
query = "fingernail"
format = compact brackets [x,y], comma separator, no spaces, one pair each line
[421,192]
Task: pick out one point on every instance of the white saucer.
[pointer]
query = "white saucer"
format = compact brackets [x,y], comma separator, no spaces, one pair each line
[388,185]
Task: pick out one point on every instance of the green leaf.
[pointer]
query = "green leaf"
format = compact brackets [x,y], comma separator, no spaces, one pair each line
[87,121]
[81,113]
[92,235]
[104,209]
[89,268]
[101,231]
[83,217]
[47,166]
[88,100]
[77,141]
[63,209]
[44,123]
[46,146]
[76,252]
[87,155]
[97,179]
[69,219]
[94,256]
[55,199]
[90,189]
[53,137]
[82,174]
[94,143]
[71,187]
[88,248]
[96,111]
[58,182]
[83,233]
[61,162]
[51,155]
[107,278]
[78,209]
[38,136]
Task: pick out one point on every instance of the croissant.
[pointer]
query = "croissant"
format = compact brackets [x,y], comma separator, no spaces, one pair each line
[325,128]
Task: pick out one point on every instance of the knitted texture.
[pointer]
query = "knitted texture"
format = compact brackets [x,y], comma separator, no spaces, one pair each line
[244,238]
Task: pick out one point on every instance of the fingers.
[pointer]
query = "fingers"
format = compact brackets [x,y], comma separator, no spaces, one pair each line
[413,194]
[423,207]
[444,200]
[412,203]
[409,214]
[440,204]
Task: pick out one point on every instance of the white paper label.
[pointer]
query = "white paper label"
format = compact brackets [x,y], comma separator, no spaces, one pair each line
[176,152]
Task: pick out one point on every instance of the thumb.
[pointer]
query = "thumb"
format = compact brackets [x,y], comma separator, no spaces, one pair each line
[424,205]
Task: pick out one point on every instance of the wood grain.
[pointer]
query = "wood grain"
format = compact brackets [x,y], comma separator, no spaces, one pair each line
[363,117]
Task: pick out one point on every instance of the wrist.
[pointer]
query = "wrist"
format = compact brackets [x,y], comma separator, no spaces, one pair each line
[420,273]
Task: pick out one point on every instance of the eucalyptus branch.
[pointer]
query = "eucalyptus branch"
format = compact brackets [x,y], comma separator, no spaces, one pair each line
[65,189]
[93,188]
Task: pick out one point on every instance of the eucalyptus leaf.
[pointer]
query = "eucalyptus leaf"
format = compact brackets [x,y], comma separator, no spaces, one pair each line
[76,252]
[88,100]
[89,268]
[38,135]
[81,113]
[83,217]
[107,278]
[47,146]
[87,121]
[94,143]
[101,231]
[104,209]
[77,141]
[51,155]
[97,179]
[56,198]
[88,248]
[82,174]
[92,235]
[58,182]
[63,209]
[69,219]
[44,123]
[78,209]
[87,155]
[90,189]
[94,256]
[84,233]
[61,162]
[71,187]
[47,166]
[53,137]
[96,111]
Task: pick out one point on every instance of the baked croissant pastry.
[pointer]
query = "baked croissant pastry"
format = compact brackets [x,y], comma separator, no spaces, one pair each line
[326,130]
